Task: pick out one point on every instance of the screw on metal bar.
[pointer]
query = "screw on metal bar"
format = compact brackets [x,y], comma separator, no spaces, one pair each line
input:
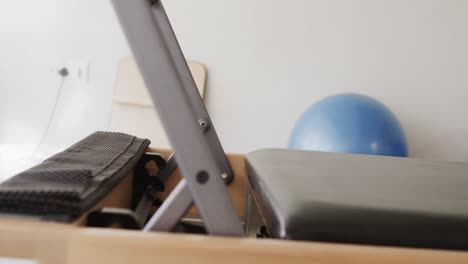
[203,177]
[203,124]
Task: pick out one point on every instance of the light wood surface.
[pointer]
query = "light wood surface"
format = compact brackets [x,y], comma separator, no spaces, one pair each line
[133,247]
[52,243]
[61,244]
[131,89]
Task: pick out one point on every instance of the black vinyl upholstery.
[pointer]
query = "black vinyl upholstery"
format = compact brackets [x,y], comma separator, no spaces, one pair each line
[332,197]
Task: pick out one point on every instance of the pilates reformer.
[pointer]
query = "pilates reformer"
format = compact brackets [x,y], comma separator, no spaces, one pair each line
[358,205]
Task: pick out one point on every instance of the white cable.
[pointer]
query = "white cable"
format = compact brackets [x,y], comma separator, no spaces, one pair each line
[63,73]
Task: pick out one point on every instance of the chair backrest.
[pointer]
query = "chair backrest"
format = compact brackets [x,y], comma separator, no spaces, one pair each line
[132,109]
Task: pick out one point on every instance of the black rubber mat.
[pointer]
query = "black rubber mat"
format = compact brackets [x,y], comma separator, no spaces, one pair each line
[71,182]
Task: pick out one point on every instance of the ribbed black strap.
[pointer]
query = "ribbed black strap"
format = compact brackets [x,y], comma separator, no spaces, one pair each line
[71,182]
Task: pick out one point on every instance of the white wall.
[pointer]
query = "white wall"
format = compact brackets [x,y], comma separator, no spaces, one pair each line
[28,49]
[28,37]
[269,59]
[89,32]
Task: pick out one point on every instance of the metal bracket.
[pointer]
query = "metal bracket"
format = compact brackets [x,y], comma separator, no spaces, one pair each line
[196,146]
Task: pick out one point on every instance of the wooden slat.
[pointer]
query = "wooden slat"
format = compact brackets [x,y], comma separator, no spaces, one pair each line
[43,242]
[55,243]
[133,247]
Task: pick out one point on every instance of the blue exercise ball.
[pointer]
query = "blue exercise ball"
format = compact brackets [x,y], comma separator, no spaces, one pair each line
[349,123]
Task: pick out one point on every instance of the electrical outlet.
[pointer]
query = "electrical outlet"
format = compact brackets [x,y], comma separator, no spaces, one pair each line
[78,70]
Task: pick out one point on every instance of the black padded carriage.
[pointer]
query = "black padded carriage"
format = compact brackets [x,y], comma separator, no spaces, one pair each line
[304,195]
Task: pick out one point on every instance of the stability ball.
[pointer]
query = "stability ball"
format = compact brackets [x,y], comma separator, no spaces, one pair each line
[349,123]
